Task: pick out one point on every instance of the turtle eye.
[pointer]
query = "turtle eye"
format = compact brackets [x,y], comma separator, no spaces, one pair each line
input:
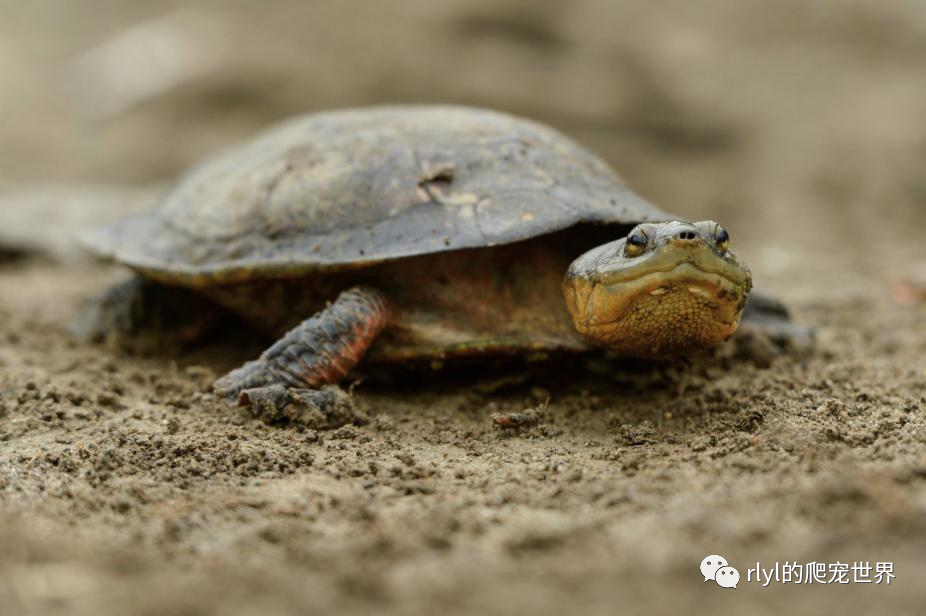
[722,238]
[636,242]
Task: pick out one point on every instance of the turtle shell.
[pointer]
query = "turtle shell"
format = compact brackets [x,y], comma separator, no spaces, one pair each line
[352,188]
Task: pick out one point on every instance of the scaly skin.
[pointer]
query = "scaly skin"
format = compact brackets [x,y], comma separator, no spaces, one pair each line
[321,350]
[678,291]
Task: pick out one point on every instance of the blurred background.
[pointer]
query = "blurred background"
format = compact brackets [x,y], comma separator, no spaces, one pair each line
[799,125]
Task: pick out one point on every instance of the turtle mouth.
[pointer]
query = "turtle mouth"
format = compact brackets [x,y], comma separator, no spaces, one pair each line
[695,273]
[686,277]
[670,311]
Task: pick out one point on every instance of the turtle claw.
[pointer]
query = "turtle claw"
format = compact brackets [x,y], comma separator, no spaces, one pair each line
[293,379]
[264,401]
[321,409]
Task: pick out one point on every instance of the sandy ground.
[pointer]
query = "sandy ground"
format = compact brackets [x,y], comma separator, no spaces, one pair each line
[127,488]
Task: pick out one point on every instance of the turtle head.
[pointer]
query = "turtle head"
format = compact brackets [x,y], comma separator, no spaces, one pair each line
[666,289]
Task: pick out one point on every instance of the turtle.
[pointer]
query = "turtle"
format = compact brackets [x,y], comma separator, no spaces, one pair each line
[397,234]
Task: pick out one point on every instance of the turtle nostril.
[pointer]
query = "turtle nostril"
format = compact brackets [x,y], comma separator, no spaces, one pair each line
[686,235]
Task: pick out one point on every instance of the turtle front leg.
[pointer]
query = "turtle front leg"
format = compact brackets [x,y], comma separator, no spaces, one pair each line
[297,375]
[769,318]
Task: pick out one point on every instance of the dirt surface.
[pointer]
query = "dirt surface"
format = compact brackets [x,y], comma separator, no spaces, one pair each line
[127,488]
